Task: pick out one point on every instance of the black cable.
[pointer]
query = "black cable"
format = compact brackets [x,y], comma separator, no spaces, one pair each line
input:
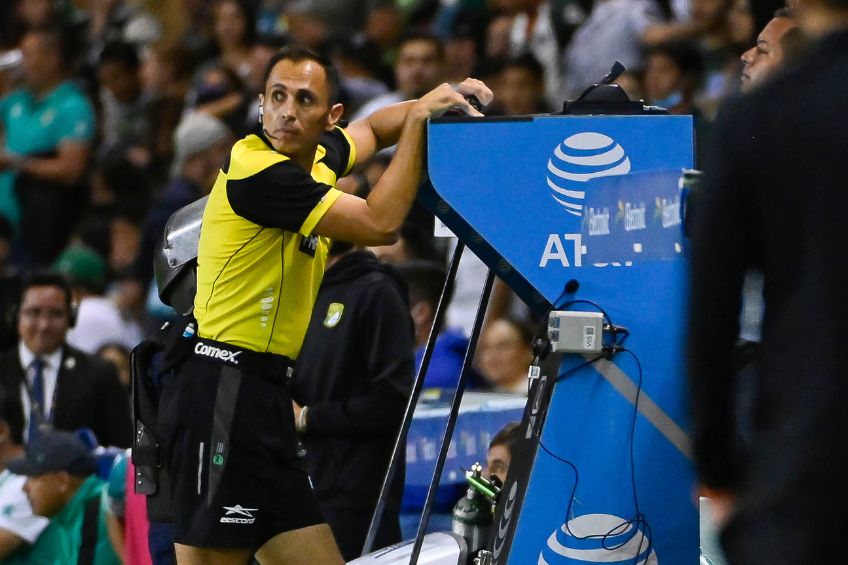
[578,367]
[639,521]
[639,514]
[590,303]
[619,335]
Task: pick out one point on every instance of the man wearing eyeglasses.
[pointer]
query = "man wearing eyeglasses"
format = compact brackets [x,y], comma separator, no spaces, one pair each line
[59,386]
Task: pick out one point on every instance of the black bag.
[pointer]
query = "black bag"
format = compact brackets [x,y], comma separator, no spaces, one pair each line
[151,361]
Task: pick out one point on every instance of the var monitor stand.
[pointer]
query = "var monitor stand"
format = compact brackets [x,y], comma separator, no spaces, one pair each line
[578,213]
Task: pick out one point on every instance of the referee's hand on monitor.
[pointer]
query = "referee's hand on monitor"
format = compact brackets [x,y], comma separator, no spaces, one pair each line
[444,97]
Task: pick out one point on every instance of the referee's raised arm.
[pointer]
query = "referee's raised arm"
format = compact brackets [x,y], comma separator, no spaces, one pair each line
[377,219]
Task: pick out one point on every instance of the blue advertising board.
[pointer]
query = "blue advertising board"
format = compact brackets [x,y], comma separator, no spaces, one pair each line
[547,200]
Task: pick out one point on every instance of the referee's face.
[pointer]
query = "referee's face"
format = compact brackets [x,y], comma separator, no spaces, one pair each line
[296,107]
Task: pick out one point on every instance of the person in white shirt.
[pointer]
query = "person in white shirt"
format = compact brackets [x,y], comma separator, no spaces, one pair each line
[19,527]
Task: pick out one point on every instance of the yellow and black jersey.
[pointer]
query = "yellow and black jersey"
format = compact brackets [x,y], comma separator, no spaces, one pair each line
[259,266]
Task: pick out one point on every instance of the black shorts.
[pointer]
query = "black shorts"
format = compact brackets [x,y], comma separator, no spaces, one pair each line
[231,449]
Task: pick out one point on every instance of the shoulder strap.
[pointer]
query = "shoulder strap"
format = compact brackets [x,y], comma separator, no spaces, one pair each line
[89,532]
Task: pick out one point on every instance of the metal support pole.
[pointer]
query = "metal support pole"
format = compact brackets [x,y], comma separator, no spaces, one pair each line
[417,385]
[454,412]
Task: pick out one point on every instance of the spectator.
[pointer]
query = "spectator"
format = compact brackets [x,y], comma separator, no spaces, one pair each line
[359,69]
[98,319]
[58,385]
[118,187]
[521,87]
[125,514]
[308,25]
[500,451]
[419,67]
[118,20]
[49,125]
[353,394]
[384,25]
[426,280]
[614,30]
[505,354]
[218,91]
[465,43]
[721,64]
[61,485]
[166,75]
[533,31]
[766,57]
[776,172]
[19,528]
[202,144]
[741,23]
[672,77]
[124,123]
[196,31]
[234,32]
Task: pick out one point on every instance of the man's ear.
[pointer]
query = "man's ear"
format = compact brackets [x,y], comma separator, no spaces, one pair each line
[334,116]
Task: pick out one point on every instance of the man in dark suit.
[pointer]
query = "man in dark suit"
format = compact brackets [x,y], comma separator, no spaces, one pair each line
[774,201]
[60,386]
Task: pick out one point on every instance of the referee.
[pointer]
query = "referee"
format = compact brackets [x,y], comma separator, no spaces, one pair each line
[226,420]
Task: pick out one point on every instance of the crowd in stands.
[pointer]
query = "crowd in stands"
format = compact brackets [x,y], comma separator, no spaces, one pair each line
[116,113]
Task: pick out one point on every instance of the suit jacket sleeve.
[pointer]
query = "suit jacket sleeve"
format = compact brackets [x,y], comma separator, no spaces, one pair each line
[722,242]
[388,342]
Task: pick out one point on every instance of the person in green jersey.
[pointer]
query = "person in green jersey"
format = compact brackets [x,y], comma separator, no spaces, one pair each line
[61,485]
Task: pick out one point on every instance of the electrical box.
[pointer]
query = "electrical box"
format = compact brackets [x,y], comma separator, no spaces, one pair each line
[576,332]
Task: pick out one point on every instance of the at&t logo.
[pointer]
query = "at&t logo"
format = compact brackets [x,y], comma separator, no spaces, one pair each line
[579,159]
[598,538]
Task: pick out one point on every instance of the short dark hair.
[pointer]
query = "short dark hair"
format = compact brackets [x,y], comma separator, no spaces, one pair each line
[47,279]
[783,13]
[528,62]
[120,52]
[425,279]
[298,53]
[508,436]
[421,35]
[12,413]
[685,55]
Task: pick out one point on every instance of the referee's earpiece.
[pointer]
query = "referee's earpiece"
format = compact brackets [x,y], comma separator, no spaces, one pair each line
[261,113]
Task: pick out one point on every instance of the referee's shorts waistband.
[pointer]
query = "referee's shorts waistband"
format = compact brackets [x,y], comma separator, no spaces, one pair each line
[268,365]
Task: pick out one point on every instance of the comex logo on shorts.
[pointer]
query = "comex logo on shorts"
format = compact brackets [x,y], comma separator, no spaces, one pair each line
[579,159]
[242,515]
[216,353]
